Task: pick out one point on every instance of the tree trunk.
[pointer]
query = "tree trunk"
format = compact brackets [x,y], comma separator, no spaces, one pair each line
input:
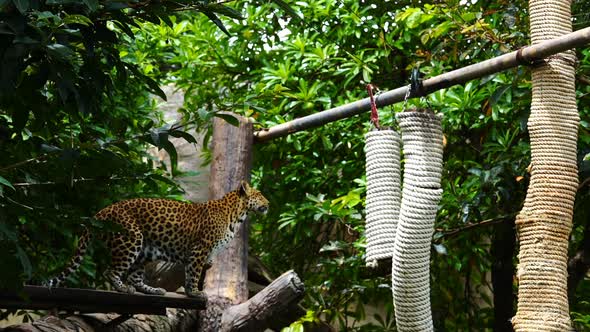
[545,222]
[226,282]
[162,274]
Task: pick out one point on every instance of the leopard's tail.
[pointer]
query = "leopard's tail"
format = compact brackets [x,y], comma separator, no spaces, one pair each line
[74,262]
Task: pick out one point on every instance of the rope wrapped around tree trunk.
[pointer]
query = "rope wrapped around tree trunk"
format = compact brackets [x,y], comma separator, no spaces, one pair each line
[545,222]
[383,193]
[422,144]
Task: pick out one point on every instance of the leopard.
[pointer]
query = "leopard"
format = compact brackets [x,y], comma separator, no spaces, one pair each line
[157,229]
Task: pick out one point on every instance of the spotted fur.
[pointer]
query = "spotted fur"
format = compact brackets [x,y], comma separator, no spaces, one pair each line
[168,230]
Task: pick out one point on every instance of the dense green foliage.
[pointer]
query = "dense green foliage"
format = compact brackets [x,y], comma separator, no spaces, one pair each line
[283,61]
[75,122]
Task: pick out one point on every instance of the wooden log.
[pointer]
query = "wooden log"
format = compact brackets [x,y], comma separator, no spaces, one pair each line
[226,282]
[176,320]
[91,300]
[261,310]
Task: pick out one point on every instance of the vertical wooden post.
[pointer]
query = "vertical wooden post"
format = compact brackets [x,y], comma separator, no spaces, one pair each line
[226,282]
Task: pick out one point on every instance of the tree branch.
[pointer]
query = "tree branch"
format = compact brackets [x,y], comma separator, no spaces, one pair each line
[488,222]
[259,312]
[24,162]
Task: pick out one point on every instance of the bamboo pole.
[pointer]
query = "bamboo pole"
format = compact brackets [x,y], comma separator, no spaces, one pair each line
[525,56]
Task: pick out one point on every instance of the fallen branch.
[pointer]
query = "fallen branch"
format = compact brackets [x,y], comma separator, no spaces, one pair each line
[176,320]
[260,311]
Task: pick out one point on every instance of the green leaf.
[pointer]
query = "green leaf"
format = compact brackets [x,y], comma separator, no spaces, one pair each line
[183,134]
[21,5]
[77,19]
[165,18]
[60,52]
[23,39]
[413,19]
[159,137]
[217,22]
[6,183]
[225,10]
[169,147]
[232,120]
[125,29]
[49,148]
[153,86]
[285,6]
[164,179]
[155,136]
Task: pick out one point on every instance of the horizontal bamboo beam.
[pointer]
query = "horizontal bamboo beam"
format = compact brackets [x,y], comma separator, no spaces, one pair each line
[525,56]
[95,301]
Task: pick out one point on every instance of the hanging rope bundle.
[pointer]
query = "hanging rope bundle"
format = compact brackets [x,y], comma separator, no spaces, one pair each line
[383,188]
[422,143]
[383,193]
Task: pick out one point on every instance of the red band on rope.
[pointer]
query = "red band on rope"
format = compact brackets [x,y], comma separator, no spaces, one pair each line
[374,114]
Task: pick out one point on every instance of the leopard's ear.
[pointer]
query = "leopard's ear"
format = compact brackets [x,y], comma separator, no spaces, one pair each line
[244,188]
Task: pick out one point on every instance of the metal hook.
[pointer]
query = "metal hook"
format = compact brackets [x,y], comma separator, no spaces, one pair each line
[416,82]
[406,97]
[374,113]
[416,88]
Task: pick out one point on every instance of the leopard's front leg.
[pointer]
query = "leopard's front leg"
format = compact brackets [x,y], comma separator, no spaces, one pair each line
[194,268]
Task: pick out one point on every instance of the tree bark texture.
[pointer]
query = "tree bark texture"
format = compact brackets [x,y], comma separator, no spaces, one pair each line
[175,321]
[257,313]
[226,282]
[545,222]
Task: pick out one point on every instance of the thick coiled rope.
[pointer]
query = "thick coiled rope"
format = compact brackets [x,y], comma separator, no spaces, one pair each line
[422,145]
[545,222]
[383,193]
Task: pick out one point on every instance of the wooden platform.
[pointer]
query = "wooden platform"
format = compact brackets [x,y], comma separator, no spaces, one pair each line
[97,301]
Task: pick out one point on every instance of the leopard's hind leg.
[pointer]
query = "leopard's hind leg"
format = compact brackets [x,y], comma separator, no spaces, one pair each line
[125,249]
[137,279]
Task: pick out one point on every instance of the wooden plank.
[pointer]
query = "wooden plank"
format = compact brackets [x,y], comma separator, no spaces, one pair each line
[97,301]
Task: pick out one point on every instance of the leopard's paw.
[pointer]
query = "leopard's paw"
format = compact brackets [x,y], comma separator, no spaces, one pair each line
[157,291]
[128,289]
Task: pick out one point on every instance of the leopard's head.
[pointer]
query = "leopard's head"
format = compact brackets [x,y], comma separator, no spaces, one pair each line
[255,201]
